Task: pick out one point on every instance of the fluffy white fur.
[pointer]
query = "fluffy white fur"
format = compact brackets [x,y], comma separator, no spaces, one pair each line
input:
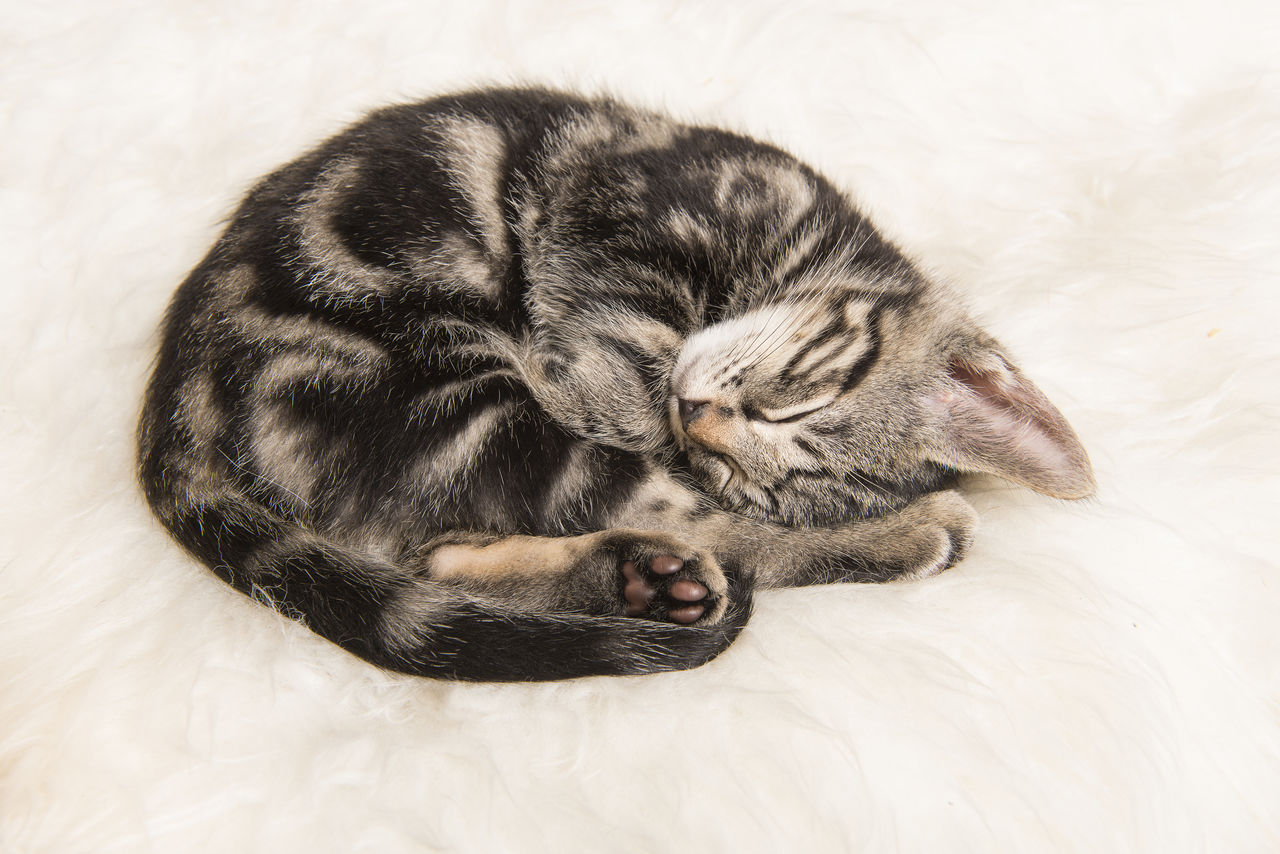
[1102,180]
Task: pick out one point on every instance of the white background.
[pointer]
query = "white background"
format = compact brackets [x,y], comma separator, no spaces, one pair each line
[1101,179]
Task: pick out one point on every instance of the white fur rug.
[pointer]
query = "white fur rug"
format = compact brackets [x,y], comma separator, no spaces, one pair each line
[1103,180]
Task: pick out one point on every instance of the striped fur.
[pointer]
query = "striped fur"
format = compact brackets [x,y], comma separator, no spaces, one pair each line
[446,379]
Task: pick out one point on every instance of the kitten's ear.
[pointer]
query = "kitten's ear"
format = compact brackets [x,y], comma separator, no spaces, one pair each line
[994,420]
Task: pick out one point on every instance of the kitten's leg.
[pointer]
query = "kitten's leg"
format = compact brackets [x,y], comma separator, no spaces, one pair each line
[615,572]
[927,536]
[924,538]
[606,377]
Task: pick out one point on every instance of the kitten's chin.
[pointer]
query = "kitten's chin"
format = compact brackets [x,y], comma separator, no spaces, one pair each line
[729,484]
[716,473]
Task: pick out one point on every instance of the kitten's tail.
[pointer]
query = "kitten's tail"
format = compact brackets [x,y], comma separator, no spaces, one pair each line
[477,642]
[405,622]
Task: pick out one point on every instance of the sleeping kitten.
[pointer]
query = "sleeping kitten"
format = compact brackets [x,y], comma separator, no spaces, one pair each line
[519,385]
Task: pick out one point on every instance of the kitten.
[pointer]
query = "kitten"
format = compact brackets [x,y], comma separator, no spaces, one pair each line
[519,385]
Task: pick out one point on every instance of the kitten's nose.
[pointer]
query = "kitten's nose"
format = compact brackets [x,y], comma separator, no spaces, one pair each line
[690,409]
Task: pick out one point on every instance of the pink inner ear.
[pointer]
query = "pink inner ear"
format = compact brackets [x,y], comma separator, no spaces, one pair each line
[999,422]
[984,384]
[1003,387]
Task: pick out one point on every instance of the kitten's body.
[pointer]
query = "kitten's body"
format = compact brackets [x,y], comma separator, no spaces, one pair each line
[517,385]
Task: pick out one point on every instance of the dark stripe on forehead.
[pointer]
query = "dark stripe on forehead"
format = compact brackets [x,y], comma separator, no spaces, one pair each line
[731,372]
[863,365]
[726,367]
[834,328]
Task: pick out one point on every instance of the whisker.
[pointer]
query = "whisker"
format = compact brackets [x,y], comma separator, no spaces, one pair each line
[826,278]
[764,338]
[862,479]
[812,309]
[772,292]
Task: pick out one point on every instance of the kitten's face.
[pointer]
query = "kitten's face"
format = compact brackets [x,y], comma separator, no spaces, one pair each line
[848,400]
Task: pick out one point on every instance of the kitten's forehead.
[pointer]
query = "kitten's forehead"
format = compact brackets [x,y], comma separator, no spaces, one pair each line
[792,336]
[713,352]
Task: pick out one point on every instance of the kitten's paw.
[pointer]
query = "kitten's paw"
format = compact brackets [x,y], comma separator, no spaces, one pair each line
[653,591]
[942,525]
[664,580]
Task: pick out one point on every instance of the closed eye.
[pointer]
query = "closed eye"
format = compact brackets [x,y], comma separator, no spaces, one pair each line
[786,414]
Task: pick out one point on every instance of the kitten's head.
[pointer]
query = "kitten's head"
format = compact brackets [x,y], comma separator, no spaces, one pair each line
[846,397]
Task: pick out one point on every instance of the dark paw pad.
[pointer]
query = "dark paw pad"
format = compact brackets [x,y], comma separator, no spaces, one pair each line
[662,589]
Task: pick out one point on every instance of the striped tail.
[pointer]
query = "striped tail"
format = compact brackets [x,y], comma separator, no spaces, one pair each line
[401,621]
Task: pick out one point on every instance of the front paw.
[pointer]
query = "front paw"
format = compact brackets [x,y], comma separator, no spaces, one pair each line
[937,531]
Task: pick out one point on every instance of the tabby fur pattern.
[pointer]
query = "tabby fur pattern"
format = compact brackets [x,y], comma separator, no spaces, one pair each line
[516,384]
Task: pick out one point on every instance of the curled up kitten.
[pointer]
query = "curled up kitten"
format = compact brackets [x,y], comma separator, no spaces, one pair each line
[518,385]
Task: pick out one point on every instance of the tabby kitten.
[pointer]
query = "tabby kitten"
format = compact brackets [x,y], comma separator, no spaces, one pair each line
[519,385]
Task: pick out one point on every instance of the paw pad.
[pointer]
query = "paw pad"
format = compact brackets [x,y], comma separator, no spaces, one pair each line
[653,589]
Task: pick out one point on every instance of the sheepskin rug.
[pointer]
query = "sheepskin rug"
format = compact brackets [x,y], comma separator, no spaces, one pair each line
[1101,179]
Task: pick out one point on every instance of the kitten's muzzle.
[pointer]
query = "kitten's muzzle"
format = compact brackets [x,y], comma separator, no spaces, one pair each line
[690,410]
[702,422]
